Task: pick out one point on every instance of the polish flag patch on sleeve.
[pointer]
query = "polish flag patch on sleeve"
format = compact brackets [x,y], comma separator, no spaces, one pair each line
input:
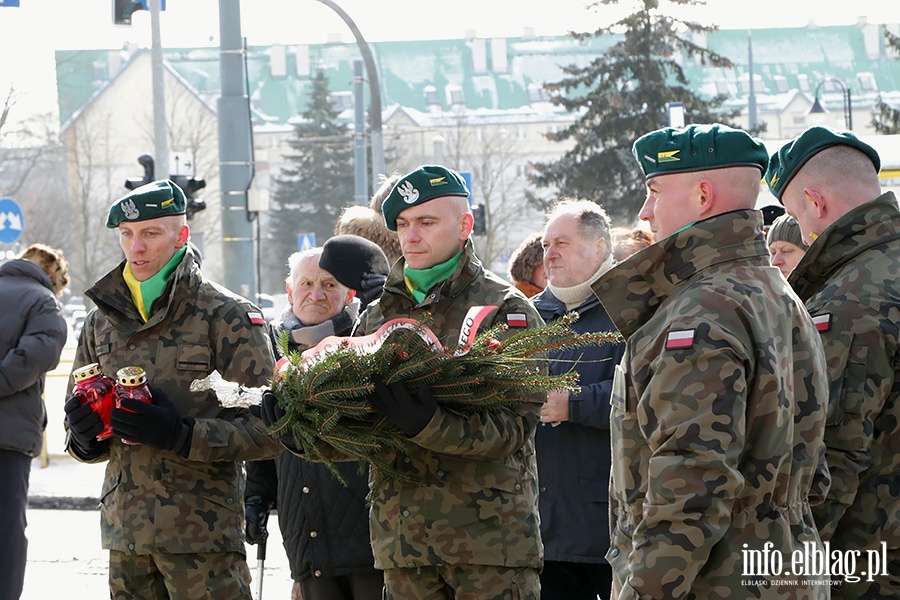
[680,339]
[256,318]
[822,322]
[516,320]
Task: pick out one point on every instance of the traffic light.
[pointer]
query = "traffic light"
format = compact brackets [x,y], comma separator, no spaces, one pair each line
[480,226]
[123,9]
[146,161]
[189,186]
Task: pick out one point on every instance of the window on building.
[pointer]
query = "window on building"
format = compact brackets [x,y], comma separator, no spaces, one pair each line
[781,84]
[803,82]
[341,101]
[537,93]
[431,96]
[455,95]
[722,88]
[867,82]
[758,86]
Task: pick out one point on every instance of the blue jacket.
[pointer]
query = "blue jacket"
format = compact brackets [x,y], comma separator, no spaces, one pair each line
[574,457]
[32,335]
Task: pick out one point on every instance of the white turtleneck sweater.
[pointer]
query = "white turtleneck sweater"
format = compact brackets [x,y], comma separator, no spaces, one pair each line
[576,295]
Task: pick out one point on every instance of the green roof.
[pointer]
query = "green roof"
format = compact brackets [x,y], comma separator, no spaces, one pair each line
[408,70]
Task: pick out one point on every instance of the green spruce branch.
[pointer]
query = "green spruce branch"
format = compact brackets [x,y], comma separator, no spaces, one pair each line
[326,401]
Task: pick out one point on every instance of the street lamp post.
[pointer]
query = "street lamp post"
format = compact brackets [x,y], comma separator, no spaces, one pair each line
[818,109]
[378,166]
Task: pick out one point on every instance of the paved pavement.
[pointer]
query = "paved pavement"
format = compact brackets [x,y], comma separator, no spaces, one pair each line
[65,559]
[64,554]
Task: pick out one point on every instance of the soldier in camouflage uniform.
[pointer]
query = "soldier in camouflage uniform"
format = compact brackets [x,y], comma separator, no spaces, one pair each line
[718,405]
[472,530]
[849,281]
[172,506]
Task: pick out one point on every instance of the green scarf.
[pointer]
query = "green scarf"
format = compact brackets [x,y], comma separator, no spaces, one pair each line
[144,293]
[419,281]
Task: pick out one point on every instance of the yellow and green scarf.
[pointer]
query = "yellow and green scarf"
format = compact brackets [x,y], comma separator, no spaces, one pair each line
[144,293]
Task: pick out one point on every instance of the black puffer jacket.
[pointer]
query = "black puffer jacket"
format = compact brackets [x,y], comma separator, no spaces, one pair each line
[32,335]
[325,526]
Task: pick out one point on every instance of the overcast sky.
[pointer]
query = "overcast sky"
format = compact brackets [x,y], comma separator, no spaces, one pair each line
[31,33]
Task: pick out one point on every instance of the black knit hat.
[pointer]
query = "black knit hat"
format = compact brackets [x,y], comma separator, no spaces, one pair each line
[348,257]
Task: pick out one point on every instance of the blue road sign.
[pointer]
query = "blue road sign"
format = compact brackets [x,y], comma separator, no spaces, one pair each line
[467,177]
[10,221]
[145,3]
[9,2]
[305,241]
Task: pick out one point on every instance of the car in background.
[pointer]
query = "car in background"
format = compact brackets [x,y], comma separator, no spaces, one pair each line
[74,304]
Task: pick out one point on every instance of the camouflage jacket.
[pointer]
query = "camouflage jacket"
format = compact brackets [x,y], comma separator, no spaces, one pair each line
[718,416]
[155,501]
[479,502]
[850,281]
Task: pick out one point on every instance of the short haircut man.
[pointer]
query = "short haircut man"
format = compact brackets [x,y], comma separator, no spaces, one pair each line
[849,279]
[718,407]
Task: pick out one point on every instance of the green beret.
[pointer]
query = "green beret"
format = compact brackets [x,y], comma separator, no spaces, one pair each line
[785,163]
[425,183]
[156,199]
[785,229]
[698,148]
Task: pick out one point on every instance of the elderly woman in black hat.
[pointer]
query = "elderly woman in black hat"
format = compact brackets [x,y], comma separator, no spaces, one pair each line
[324,524]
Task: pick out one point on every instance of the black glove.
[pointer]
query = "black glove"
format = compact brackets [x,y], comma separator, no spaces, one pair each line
[371,286]
[271,413]
[158,425]
[409,413]
[256,519]
[84,425]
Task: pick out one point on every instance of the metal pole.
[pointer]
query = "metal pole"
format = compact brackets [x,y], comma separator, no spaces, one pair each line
[260,567]
[374,89]
[160,127]
[361,184]
[849,109]
[752,119]
[235,156]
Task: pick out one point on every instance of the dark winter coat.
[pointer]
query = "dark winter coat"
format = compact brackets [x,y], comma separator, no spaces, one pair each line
[718,417]
[479,505]
[849,280]
[574,457]
[32,335]
[324,525]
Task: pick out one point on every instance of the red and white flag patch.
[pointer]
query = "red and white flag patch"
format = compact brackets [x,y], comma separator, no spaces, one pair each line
[256,318]
[822,322]
[680,339]
[516,320]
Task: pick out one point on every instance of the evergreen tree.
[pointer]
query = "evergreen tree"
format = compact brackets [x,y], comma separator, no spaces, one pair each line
[310,194]
[618,97]
[886,119]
